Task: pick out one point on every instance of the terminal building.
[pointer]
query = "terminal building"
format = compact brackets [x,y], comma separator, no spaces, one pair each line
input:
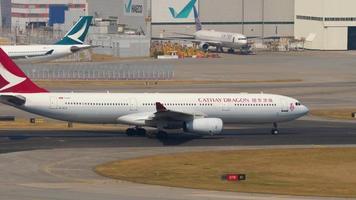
[321,24]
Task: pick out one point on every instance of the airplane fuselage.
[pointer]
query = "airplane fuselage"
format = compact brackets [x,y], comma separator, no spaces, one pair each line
[40,53]
[224,39]
[135,109]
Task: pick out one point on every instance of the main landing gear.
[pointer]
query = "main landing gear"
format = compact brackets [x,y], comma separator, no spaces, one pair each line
[219,49]
[231,51]
[161,134]
[275,130]
[136,131]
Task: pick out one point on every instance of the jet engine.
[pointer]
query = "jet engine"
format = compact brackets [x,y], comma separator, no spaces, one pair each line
[204,126]
[204,46]
[74,49]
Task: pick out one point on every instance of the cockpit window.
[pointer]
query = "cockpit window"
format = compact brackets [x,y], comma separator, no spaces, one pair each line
[298,104]
[242,38]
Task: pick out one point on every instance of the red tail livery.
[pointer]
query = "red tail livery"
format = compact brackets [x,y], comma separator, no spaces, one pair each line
[13,79]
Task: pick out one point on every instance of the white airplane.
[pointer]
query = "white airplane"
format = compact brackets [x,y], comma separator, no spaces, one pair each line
[194,113]
[211,38]
[72,42]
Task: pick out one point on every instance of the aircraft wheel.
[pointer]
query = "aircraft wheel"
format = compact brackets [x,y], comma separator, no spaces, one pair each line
[130,132]
[141,131]
[135,132]
[151,135]
[275,131]
[162,135]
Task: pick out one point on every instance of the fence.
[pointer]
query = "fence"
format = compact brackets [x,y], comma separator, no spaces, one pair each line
[98,71]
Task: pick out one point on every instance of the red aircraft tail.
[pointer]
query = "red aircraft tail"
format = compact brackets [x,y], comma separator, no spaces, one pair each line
[13,79]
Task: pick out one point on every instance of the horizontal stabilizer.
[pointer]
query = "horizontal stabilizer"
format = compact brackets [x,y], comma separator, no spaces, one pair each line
[13,100]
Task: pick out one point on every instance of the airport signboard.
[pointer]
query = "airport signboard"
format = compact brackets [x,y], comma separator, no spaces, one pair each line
[133,8]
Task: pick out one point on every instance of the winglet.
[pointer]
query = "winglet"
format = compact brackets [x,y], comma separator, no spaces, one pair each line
[13,79]
[160,107]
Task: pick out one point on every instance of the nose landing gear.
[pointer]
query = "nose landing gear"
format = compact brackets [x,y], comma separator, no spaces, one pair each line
[275,130]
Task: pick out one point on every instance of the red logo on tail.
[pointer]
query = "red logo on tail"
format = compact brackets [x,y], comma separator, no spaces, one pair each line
[13,79]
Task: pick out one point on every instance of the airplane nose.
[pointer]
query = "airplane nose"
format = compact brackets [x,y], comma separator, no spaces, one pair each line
[304,110]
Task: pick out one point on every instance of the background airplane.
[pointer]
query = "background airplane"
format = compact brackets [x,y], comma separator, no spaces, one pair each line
[211,38]
[72,42]
[194,113]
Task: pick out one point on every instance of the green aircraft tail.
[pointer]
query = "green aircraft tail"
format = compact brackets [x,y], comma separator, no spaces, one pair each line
[78,33]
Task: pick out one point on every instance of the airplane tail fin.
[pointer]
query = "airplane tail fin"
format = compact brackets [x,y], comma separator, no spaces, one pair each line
[173,12]
[78,33]
[198,25]
[13,79]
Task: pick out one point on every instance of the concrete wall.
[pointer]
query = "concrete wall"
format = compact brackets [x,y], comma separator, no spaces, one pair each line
[120,45]
[225,10]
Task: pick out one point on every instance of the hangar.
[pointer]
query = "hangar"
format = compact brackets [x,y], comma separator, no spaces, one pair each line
[257,18]
[326,24]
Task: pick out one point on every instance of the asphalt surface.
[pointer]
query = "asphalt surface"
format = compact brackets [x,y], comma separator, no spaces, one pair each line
[59,164]
[303,132]
[66,174]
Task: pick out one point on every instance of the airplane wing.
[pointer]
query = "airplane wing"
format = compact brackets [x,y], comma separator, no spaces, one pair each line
[187,39]
[185,34]
[164,114]
[277,37]
[12,100]
[270,37]
[172,38]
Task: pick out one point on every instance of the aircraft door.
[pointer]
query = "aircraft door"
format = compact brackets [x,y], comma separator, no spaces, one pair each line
[53,103]
[133,104]
[284,107]
[226,106]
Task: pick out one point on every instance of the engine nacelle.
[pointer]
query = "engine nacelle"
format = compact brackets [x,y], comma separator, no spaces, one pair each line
[204,126]
[204,46]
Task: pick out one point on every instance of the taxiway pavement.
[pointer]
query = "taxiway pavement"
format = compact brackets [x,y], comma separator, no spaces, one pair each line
[66,174]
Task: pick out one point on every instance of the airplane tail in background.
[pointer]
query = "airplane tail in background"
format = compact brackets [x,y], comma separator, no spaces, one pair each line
[198,25]
[13,79]
[78,33]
